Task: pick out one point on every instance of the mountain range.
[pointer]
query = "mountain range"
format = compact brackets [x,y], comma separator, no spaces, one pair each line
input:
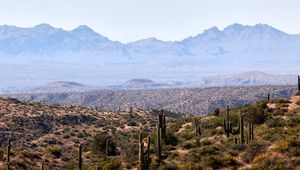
[43,54]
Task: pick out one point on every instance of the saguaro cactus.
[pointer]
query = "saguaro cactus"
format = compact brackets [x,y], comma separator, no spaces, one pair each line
[242,140]
[42,168]
[252,132]
[107,144]
[141,152]
[298,84]
[164,127]
[158,129]
[144,157]
[80,157]
[148,146]
[197,131]
[8,154]
[227,123]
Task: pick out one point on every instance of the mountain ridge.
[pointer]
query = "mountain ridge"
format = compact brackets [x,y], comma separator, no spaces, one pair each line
[84,55]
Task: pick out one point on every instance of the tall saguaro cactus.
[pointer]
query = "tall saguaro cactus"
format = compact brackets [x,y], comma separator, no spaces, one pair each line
[148,146]
[158,130]
[298,84]
[141,152]
[242,140]
[164,127]
[42,168]
[8,154]
[197,131]
[227,123]
[80,157]
[107,144]
[162,124]
[252,132]
[144,157]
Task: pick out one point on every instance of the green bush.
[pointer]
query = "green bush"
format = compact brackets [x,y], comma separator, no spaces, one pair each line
[171,139]
[168,167]
[99,144]
[111,164]
[255,114]
[194,157]
[213,161]
[188,144]
[54,151]
[280,101]
[274,164]
[192,167]
[251,151]
[290,146]
[209,150]
[275,122]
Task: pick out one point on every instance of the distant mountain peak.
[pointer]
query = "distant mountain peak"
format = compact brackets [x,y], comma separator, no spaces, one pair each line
[44,26]
[234,26]
[84,28]
[212,29]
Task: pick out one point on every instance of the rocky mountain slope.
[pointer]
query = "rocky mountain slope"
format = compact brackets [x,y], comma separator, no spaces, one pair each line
[49,136]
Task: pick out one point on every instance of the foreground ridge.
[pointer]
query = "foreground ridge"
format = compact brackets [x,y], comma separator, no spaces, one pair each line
[254,136]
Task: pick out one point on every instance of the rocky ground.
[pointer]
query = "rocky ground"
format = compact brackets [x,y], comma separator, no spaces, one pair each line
[50,135]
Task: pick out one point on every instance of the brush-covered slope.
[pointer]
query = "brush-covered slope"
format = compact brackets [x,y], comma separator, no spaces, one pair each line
[51,134]
[189,100]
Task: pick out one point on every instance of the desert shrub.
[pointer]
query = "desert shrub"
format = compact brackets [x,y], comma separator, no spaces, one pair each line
[216,112]
[290,146]
[192,167]
[274,164]
[2,158]
[279,111]
[206,142]
[99,144]
[213,161]
[255,114]
[171,139]
[187,135]
[54,151]
[275,122]
[293,121]
[31,155]
[111,164]
[209,150]
[132,123]
[237,147]
[229,161]
[273,134]
[168,167]
[194,157]
[280,101]
[251,151]
[188,144]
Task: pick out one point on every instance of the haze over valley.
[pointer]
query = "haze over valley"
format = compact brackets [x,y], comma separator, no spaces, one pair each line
[33,57]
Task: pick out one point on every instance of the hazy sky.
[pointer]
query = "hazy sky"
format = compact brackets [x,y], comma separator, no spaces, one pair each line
[129,20]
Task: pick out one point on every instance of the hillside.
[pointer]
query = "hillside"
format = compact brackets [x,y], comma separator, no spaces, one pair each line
[50,135]
[195,101]
[59,87]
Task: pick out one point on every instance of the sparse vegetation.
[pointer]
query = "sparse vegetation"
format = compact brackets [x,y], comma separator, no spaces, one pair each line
[51,134]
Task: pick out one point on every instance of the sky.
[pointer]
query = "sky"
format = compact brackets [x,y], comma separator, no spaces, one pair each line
[130,20]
